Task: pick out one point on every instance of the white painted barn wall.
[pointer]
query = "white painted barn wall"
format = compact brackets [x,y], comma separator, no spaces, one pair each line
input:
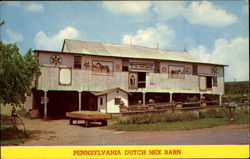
[67,60]
[111,107]
[205,70]
[84,80]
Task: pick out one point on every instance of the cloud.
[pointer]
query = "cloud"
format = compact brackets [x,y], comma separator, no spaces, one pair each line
[204,13]
[168,10]
[199,13]
[234,53]
[31,7]
[34,7]
[127,7]
[245,9]
[13,37]
[149,37]
[14,4]
[55,42]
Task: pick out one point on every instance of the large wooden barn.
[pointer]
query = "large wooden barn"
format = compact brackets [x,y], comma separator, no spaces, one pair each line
[97,76]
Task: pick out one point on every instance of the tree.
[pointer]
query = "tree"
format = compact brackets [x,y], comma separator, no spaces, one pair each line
[17,73]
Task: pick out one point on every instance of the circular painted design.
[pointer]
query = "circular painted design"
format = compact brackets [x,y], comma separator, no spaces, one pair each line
[117,67]
[188,70]
[55,59]
[164,69]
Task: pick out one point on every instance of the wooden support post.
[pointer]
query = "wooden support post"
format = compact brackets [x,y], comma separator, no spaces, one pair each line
[144,99]
[220,100]
[171,97]
[80,101]
[201,96]
[45,104]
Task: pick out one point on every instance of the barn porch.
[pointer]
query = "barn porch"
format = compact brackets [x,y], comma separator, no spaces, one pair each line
[161,98]
[55,104]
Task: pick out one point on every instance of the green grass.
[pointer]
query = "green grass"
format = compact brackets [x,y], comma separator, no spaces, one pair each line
[9,135]
[180,125]
[12,136]
[171,126]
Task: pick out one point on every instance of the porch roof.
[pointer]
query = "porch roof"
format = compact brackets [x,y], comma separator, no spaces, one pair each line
[107,91]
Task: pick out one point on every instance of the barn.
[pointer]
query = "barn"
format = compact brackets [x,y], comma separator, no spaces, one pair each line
[98,76]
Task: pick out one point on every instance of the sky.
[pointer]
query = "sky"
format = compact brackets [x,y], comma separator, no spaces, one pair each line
[213,31]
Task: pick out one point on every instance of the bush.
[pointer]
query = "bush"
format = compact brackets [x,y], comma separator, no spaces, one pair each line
[170,116]
[237,87]
[163,117]
[22,112]
[221,112]
[188,116]
[212,97]
[193,99]
[214,113]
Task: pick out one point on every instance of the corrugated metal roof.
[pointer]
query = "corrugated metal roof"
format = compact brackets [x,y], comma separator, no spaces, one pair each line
[127,51]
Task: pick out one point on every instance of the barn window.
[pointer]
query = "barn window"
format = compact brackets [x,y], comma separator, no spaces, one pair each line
[78,62]
[141,79]
[101,101]
[209,82]
[125,65]
[117,101]
[215,82]
[195,69]
[157,67]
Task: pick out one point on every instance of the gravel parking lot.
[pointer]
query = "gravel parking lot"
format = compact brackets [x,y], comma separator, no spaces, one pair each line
[60,133]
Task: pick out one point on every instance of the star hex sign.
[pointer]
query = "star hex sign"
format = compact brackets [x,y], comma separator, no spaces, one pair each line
[86,64]
[55,59]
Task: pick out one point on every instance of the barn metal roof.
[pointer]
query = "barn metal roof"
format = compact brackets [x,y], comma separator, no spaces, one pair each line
[126,51]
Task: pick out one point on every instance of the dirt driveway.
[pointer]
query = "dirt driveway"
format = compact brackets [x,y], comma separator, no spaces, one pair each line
[59,132]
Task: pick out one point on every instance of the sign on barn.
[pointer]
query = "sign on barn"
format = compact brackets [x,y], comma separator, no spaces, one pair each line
[141,66]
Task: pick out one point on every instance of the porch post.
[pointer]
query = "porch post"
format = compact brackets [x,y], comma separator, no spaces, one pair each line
[143,99]
[201,96]
[171,97]
[80,101]
[220,100]
[45,104]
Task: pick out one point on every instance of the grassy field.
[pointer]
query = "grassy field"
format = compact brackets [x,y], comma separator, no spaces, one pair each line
[9,135]
[180,125]
[12,136]
[205,120]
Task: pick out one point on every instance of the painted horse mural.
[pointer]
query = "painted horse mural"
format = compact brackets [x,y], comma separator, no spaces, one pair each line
[102,67]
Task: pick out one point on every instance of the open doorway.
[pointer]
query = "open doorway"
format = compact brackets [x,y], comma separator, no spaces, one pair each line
[141,79]
[209,82]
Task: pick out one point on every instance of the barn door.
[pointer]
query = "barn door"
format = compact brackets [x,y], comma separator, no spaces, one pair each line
[202,82]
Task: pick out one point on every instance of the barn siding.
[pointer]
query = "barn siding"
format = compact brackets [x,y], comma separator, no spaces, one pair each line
[84,80]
